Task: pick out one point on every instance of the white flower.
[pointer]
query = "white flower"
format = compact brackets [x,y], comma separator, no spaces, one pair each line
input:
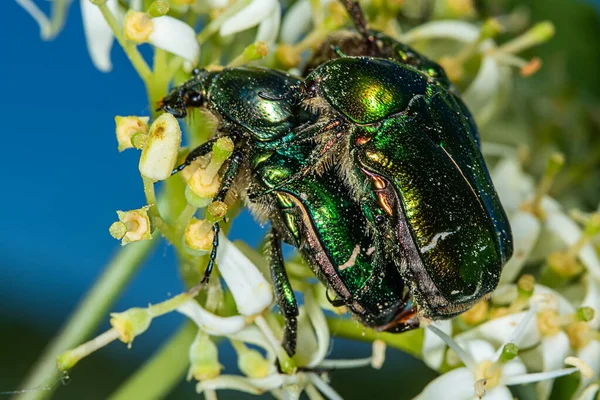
[265,13]
[176,37]
[486,372]
[434,348]
[297,20]
[536,235]
[164,32]
[46,32]
[250,289]
[161,150]
[486,92]
[98,35]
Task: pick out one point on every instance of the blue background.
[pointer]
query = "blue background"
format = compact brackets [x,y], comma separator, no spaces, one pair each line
[62,180]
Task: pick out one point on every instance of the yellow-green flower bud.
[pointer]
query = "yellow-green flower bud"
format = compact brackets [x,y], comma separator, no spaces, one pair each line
[133,226]
[131,323]
[139,139]
[585,313]
[137,26]
[203,186]
[160,153]
[198,237]
[490,29]
[509,351]
[204,358]
[127,127]
[255,51]
[159,8]
[251,362]
[287,56]
[216,211]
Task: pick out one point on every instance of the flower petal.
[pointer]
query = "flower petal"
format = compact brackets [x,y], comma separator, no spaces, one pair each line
[251,15]
[296,22]
[526,230]
[269,28]
[457,30]
[38,15]
[512,184]
[434,348]
[319,323]
[590,354]
[569,232]
[456,385]
[499,393]
[98,35]
[251,291]
[589,393]
[481,350]
[592,299]
[176,37]
[324,388]
[499,329]
[211,323]
[554,350]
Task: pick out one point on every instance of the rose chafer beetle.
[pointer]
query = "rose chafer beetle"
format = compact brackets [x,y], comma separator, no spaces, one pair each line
[408,201]
[315,214]
[400,121]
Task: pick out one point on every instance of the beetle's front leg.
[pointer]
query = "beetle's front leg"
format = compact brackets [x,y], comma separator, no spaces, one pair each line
[232,169]
[198,152]
[284,293]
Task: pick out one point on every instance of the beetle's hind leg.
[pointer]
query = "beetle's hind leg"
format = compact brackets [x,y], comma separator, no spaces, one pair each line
[284,293]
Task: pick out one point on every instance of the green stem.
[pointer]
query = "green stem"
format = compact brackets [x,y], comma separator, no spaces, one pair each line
[163,371]
[88,315]
[130,48]
[157,219]
[410,342]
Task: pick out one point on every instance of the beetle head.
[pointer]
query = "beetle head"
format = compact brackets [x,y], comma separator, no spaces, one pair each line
[190,94]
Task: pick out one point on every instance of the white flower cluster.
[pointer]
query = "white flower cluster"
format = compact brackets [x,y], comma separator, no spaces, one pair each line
[527,332]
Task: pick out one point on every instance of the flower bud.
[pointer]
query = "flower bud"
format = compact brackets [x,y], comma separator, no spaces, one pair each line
[251,362]
[158,8]
[198,237]
[204,358]
[137,26]
[160,153]
[287,56]
[216,211]
[198,193]
[131,323]
[133,226]
[127,127]
[254,51]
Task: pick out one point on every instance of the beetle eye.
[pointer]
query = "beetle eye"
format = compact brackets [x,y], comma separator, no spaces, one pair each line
[193,99]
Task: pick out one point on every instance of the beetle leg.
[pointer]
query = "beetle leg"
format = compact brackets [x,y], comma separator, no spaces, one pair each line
[333,127]
[232,169]
[199,151]
[360,23]
[284,293]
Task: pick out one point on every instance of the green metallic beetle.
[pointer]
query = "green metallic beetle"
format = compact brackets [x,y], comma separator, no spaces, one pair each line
[409,201]
[315,214]
[404,135]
